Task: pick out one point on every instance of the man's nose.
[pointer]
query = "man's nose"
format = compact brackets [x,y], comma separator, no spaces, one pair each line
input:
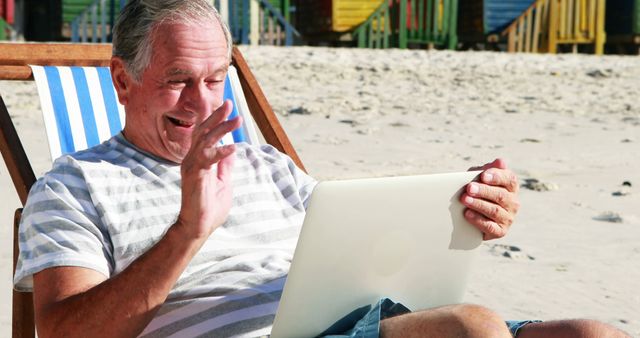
[198,98]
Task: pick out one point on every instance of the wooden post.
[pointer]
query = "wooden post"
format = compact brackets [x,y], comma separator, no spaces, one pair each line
[224,11]
[512,40]
[553,26]
[561,17]
[244,38]
[94,23]
[445,13]
[103,21]
[592,18]
[285,8]
[453,29]
[254,30]
[431,21]
[600,33]
[529,31]
[378,31]
[3,30]
[520,42]
[571,11]
[402,29]
[420,19]
[584,21]
[85,27]
[371,37]
[536,26]
[387,28]
[362,37]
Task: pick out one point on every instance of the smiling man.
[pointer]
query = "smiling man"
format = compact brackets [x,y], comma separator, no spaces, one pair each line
[161,232]
[182,86]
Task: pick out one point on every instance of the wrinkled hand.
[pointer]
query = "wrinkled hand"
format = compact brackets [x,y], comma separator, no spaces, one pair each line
[207,193]
[492,203]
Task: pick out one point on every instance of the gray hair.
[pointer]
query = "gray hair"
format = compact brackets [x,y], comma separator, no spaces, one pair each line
[133,31]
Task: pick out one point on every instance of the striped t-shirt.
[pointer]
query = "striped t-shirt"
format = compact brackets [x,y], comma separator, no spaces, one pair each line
[102,208]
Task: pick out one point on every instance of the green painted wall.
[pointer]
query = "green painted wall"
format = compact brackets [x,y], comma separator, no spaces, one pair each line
[72,8]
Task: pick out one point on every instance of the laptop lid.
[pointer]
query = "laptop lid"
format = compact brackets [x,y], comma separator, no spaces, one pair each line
[399,237]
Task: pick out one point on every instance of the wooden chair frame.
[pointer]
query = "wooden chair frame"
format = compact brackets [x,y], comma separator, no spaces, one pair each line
[14,61]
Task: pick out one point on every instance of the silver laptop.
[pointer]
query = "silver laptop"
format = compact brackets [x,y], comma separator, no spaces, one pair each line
[399,237]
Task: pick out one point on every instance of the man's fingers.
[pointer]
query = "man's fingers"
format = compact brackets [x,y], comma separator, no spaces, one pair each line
[501,177]
[219,115]
[489,228]
[214,120]
[215,134]
[490,209]
[493,194]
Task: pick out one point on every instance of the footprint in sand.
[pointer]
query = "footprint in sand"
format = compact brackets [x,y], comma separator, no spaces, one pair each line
[535,185]
[609,216]
[509,251]
[624,191]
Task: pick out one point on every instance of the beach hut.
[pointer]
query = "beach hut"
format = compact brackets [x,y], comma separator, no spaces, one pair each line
[258,22]
[482,21]
[410,23]
[250,21]
[623,24]
[90,20]
[329,19]
[548,25]
[380,23]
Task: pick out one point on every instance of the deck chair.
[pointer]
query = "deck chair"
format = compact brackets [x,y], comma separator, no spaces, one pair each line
[14,61]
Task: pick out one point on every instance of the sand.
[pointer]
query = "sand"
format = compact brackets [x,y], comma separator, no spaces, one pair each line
[568,125]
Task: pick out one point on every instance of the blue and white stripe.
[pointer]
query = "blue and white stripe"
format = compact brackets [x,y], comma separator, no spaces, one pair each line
[81,109]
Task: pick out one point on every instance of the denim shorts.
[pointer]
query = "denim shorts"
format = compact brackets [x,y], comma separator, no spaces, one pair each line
[365,321]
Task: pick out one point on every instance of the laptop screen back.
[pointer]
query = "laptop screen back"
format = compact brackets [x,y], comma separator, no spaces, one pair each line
[399,237]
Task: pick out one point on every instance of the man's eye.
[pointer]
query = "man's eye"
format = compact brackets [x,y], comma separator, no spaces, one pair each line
[214,83]
[177,82]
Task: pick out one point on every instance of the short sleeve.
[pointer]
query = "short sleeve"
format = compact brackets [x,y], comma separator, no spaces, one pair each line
[303,183]
[60,227]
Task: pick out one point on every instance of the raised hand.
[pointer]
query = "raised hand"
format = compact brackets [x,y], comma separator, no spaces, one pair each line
[207,192]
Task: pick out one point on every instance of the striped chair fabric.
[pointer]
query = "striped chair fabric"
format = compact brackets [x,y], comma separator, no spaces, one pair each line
[81,109]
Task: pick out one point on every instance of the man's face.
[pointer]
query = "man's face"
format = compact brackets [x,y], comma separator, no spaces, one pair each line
[180,88]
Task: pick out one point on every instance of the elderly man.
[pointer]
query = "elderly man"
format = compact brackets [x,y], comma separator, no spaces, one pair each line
[159,231]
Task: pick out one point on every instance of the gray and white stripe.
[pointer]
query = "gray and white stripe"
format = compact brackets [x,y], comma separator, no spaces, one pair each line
[103,207]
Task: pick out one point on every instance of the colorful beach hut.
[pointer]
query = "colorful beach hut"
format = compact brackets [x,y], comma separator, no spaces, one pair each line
[380,23]
[326,20]
[483,21]
[404,23]
[548,24]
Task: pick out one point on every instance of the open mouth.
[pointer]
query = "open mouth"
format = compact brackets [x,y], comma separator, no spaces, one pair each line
[180,123]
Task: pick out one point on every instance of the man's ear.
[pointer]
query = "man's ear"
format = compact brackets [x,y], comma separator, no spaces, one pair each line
[122,81]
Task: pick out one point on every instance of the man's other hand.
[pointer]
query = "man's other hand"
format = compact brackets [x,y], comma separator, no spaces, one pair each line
[492,202]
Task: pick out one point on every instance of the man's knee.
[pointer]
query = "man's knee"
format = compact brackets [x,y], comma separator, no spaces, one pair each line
[479,321]
[463,320]
[582,328]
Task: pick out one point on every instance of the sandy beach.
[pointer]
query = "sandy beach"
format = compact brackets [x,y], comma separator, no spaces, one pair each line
[568,125]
